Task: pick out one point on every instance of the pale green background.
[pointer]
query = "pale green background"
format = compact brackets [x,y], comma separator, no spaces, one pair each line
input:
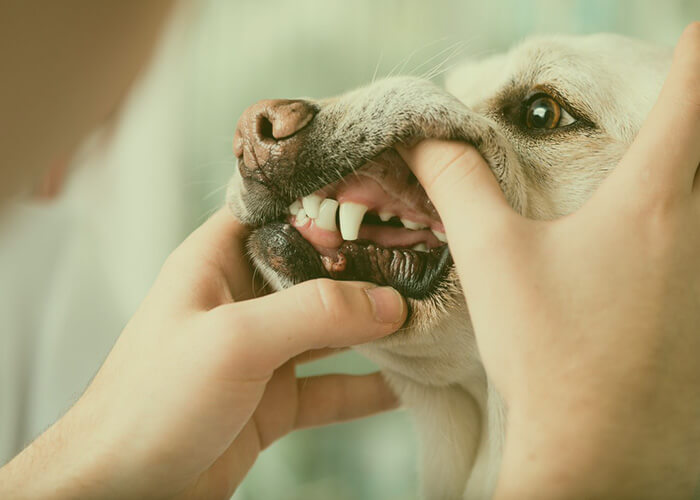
[249,50]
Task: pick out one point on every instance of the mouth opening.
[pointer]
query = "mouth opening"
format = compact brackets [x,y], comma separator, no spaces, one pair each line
[376,225]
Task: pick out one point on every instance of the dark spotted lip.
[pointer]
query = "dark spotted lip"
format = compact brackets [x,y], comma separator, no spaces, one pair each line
[414,274]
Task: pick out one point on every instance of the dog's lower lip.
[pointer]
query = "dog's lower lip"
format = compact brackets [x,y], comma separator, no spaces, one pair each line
[414,274]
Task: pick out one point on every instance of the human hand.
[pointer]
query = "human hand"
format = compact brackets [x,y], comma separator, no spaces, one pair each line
[202,379]
[589,325]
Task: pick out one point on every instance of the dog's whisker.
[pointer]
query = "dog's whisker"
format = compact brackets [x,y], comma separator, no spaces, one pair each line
[444,70]
[455,51]
[215,191]
[435,56]
[376,68]
[407,58]
[207,214]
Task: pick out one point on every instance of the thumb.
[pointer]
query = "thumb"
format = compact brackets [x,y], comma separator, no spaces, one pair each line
[268,331]
[458,182]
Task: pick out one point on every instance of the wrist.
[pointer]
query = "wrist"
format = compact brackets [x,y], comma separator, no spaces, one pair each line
[586,449]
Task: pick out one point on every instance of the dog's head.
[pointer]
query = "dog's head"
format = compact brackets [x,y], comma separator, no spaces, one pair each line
[328,196]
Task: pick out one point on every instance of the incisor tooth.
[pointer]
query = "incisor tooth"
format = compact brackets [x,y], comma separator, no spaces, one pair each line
[410,224]
[440,236]
[311,205]
[421,247]
[351,215]
[294,207]
[385,216]
[326,215]
[301,218]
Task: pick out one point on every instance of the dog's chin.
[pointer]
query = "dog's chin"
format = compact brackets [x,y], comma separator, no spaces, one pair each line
[286,253]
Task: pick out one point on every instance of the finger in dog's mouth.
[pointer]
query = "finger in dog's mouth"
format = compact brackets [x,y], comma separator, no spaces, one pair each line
[376,224]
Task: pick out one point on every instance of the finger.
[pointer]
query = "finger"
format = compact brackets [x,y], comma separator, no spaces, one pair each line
[329,399]
[316,354]
[263,333]
[665,154]
[458,182]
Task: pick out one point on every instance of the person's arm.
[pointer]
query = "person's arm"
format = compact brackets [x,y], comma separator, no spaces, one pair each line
[597,355]
[202,379]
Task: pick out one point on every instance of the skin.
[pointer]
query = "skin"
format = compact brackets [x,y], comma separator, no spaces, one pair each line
[204,367]
[601,380]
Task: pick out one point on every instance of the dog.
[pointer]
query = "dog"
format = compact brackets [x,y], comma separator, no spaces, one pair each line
[329,197]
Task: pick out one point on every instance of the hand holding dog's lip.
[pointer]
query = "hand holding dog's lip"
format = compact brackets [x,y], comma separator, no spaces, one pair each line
[583,307]
[206,367]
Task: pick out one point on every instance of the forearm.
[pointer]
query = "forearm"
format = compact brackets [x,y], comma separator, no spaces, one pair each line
[68,461]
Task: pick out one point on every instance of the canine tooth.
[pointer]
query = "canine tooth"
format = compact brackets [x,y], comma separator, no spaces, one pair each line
[440,236]
[311,205]
[385,216]
[301,218]
[326,215]
[410,224]
[421,247]
[294,207]
[351,215]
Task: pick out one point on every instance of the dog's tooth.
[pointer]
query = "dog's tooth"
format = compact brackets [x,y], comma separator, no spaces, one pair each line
[301,218]
[294,207]
[411,224]
[326,215]
[312,203]
[351,215]
[440,236]
[385,216]
[421,247]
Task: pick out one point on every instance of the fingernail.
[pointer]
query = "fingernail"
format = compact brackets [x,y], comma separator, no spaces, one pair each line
[387,303]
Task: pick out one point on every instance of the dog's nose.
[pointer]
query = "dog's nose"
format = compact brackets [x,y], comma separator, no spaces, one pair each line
[270,124]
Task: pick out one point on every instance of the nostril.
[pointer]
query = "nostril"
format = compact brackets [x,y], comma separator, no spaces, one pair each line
[265,128]
[270,124]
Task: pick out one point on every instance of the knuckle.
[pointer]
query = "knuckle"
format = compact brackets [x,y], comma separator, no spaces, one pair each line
[331,298]
[457,169]
[661,205]
[659,216]
[172,261]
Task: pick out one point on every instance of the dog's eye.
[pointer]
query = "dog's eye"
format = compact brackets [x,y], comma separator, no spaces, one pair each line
[543,112]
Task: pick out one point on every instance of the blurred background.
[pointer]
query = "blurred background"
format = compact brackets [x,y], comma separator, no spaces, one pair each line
[74,268]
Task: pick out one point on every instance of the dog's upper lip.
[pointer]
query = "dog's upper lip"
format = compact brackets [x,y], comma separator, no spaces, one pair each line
[393,180]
